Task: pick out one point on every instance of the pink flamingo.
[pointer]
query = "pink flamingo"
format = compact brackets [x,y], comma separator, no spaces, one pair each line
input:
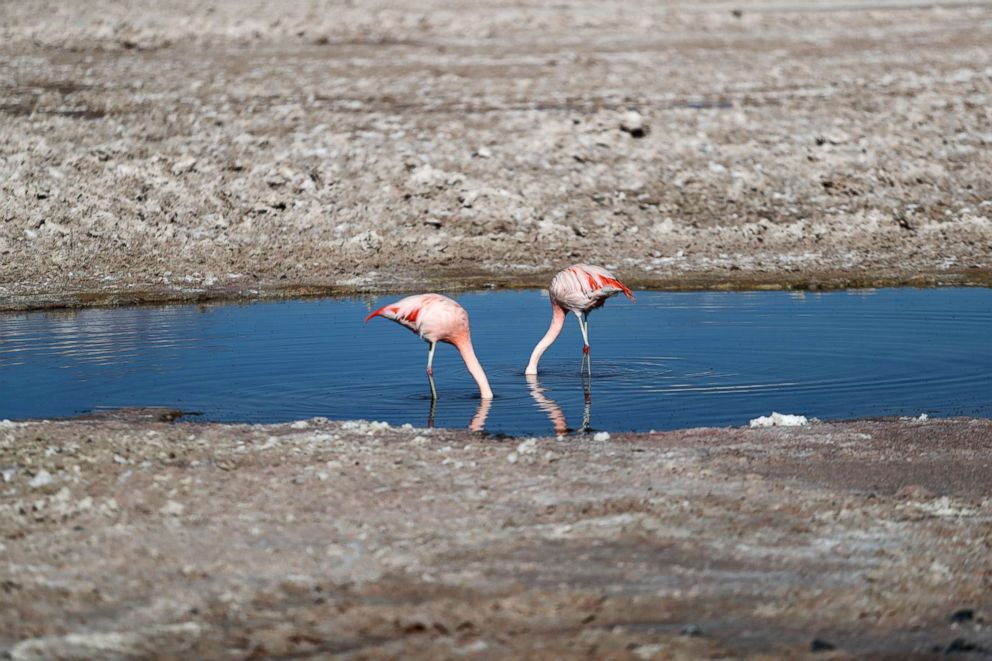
[437,318]
[580,288]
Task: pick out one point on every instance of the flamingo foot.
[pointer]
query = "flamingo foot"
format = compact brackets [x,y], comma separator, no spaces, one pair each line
[585,349]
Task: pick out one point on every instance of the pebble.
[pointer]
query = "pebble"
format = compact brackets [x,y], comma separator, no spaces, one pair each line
[963,615]
[819,645]
[172,508]
[43,478]
[915,492]
[183,165]
[963,645]
[632,122]
[648,651]
[528,447]
[601,436]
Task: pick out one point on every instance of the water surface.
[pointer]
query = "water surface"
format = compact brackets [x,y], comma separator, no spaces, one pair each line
[671,360]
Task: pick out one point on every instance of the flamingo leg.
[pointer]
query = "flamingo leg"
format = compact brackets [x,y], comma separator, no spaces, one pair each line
[430,359]
[586,372]
[586,416]
[586,391]
[584,326]
[430,373]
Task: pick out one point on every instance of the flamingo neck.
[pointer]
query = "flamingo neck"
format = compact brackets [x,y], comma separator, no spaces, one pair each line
[557,321]
[464,347]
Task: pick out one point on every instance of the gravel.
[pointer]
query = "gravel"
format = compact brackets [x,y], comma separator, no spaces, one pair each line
[243,149]
[365,539]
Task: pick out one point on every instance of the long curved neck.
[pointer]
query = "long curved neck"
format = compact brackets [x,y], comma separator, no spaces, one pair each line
[464,347]
[557,321]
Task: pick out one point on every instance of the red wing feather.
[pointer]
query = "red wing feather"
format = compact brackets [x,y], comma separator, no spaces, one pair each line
[619,285]
[376,313]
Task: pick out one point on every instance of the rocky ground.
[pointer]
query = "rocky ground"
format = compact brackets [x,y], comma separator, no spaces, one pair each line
[184,149]
[128,539]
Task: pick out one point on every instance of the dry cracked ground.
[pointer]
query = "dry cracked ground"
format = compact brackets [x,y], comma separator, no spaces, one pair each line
[126,539]
[182,149]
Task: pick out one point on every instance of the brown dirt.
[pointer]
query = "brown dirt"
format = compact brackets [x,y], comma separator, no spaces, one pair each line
[183,150]
[219,541]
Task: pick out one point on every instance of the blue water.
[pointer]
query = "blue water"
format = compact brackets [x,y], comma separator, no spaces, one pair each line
[671,360]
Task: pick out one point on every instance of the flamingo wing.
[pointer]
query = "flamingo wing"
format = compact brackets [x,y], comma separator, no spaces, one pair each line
[435,318]
[405,312]
[582,287]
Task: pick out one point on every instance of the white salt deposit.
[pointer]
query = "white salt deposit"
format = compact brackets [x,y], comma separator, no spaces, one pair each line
[779,420]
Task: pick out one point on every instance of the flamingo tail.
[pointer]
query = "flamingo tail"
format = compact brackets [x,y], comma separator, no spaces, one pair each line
[619,285]
[376,313]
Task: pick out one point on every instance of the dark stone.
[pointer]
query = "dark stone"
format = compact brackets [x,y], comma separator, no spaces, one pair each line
[963,615]
[962,645]
[820,645]
[691,630]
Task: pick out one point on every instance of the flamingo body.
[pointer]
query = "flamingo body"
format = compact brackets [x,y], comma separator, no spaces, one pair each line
[580,288]
[436,318]
[583,288]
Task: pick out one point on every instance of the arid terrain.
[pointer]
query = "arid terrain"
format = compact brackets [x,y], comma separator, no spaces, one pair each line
[183,149]
[129,539]
[189,150]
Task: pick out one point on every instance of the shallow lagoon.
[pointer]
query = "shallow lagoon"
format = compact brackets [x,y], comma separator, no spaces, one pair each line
[671,360]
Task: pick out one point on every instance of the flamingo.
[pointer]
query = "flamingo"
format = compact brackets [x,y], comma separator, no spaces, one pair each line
[580,288]
[437,318]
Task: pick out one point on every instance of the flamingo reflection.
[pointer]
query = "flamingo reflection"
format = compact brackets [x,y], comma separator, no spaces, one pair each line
[550,406]
[478,421]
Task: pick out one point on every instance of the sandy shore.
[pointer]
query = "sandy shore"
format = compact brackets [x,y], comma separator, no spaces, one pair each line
[183,150]
[124,539]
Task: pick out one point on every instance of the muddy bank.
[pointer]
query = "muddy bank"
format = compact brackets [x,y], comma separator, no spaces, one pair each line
[184,150]
[130,538]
